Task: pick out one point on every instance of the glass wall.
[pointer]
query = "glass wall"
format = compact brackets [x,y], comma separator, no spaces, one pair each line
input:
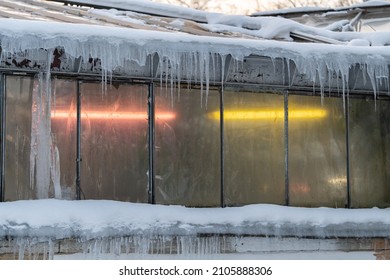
[317,151]
[370,152]
[253,148]
[40,141]
[187,149]
[114,125]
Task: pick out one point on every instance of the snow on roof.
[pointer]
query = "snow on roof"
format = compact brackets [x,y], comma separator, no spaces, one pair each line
[137,14]
[357,17]
[93,218]
[133,36]
[309,9]
[295,10]
[147,7]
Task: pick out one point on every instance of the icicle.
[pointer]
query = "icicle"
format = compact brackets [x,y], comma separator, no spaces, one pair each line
[41,142]
[214,67]
[201,74]
[223,60]
[288,71]
[207,75]
[178,74]
[55,171]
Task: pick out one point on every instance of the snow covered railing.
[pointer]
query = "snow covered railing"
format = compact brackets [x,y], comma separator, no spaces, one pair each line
[47,229]
[93,218]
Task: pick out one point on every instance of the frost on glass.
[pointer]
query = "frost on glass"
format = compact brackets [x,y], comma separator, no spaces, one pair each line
[42,149]
[317,152]
[254,148]
[370,152]
[187,148]
[63,128]
[18,138]
[114,146]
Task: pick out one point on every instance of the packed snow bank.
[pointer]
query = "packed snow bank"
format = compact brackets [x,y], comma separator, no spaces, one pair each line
[98,218]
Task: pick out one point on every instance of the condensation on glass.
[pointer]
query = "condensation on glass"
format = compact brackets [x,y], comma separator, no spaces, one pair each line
[370,152]
[18,138]
[187,148]
[317,151]
[63,131]
[32,142]
[253,148]
[114,150]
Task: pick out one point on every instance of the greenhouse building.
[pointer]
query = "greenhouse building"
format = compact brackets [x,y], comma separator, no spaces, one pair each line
[156,104]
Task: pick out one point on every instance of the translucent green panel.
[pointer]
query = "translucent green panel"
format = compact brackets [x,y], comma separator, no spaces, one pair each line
[187,148]
[254,148]
[370,153]
[17,138]
[63,127]
[114,142]
[317,152]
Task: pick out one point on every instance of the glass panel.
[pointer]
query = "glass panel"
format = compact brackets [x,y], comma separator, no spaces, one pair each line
[187,148]
[254,148]
[18,138]
[370,153]
[317,152]
[114,142]
[63,126]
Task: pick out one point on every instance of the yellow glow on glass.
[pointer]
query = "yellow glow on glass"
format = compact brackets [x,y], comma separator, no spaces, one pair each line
[237,115]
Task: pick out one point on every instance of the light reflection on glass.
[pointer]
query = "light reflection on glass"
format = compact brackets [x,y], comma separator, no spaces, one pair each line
[110,115]
[268,114]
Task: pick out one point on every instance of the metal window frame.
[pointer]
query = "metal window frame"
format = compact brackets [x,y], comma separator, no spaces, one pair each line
[151,144]
[348,158]
[222,144]
[2,135]
[286,152]
[78,142]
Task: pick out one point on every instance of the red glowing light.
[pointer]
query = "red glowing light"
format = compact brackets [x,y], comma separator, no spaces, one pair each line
[109,115]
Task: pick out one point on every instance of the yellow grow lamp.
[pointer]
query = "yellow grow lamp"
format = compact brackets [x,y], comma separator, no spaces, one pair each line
[268,114]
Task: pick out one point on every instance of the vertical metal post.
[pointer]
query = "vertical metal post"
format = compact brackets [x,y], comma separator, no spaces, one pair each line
[2,136]
[286,175]
[151,143]
[78,143]
[346,96]
[225,66]
[222,135]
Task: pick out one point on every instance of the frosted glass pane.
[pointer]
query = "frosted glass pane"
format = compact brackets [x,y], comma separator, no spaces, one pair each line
[17,139]
[254,148]
[187,148]
[63,127]
[317,152]
[114,142]
[370,153]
